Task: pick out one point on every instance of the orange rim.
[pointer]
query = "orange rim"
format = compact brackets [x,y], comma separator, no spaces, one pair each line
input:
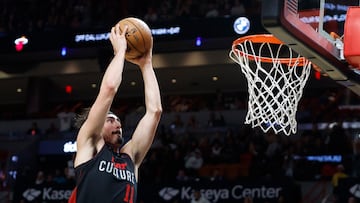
[265,38]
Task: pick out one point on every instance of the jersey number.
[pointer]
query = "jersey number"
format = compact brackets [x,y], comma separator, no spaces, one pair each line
[129,194]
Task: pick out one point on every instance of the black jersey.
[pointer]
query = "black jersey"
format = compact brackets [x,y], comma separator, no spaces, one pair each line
[108,177]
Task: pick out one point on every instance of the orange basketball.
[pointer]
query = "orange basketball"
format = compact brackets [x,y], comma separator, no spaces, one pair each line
[138,36]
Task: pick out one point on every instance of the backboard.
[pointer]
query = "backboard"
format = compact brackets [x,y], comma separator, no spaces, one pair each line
[307,27]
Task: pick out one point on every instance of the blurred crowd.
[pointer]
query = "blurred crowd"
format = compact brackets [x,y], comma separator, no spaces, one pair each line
[215,149]
[41,15]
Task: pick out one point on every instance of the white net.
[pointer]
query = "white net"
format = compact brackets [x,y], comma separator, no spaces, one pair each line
[276,77]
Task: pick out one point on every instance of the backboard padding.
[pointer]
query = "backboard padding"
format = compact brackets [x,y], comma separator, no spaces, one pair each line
[281,19]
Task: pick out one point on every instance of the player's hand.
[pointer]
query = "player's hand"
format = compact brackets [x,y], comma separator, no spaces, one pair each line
[144,59]
[118,39]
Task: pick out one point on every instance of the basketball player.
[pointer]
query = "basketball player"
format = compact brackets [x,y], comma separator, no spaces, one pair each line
[106,168]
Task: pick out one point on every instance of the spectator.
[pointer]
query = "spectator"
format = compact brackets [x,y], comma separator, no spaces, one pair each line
[151,15]
[216,119]
[198,197]
[182,176]
[273,146]
[232,148]
[193,162]
[352,200]
[212,10]
[59,177]
[192,122]
[166,10]
[337,140]
[237,9]
[216,151]
[356,158]
[289,163]
[66,118]
[49,179]
[40,178]
[52,130]
[34,129]
[177,159]
[205,147]
[177,122]
[339,174]
[248,200]
[184,8]
[69,173]
[3,182]
[216,175]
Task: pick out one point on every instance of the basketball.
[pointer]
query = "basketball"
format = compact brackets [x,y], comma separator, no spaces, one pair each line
[138,36]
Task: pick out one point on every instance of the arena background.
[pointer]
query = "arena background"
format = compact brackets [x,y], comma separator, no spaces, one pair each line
[204,98]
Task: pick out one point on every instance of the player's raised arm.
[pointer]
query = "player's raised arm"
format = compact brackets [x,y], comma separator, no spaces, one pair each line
[145,131]
[89,139]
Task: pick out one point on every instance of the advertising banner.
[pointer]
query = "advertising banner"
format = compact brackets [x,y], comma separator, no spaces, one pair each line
[222,191]
[215,191]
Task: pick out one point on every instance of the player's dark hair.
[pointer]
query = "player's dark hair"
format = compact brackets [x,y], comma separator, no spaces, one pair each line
[81,117]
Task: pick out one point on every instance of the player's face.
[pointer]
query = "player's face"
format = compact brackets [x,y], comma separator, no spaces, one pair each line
[112,129]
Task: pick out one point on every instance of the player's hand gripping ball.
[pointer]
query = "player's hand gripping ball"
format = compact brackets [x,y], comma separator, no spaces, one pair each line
[138,36]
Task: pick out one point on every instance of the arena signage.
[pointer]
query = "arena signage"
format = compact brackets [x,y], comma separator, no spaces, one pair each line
[90,42]
[236,192]
[69,147]
[93,37]
[223,191]
[260,191]
[46,194]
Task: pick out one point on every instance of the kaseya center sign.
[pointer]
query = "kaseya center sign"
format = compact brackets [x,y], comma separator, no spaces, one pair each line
[236,192]
[46,194]
[223,191]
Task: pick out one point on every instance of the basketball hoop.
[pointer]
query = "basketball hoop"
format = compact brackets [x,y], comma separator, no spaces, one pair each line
[276,76]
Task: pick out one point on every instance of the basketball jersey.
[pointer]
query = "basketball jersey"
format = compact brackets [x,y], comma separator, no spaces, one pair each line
[108,177]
